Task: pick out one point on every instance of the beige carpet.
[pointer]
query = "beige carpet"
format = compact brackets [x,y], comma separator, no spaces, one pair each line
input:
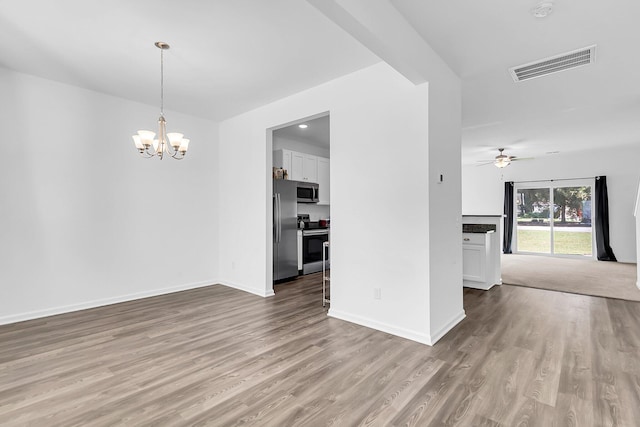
[578,276]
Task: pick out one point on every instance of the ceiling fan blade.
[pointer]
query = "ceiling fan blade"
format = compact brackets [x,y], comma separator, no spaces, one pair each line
[513,159]
[485,162]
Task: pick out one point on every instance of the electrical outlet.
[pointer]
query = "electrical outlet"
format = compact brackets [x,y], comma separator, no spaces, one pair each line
[377,293]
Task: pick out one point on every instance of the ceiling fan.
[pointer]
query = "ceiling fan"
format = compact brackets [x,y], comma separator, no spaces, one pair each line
[502,160]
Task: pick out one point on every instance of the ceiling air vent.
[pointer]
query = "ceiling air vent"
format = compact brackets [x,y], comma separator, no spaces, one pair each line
[554,64]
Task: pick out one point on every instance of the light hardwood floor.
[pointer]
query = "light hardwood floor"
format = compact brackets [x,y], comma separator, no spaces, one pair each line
[218,356]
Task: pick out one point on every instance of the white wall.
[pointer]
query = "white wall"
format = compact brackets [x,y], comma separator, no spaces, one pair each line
[637,215]
[88,222]
[300,146]
[379,146]
[483,186]
[85,220]
[445,206]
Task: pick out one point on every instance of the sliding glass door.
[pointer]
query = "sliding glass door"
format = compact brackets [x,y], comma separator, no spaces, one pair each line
[572,232]
[554,218]
[533,233]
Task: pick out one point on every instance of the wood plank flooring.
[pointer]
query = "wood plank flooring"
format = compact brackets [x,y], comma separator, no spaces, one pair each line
[221,357]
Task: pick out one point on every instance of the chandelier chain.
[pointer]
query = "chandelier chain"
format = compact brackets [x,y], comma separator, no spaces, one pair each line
[162,82]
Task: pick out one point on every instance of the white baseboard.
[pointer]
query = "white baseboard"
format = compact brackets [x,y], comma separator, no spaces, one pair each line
[479,285]
[400,332]
[259,292]
[435,337]
[380,326]
[4,320]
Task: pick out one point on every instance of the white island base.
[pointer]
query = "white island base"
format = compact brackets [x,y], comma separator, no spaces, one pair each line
[481,251]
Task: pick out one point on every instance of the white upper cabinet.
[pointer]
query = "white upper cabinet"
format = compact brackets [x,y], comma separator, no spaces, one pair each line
[282,159]
[305,167]
[300,166]
[309,168]
[323,181]
[297,167]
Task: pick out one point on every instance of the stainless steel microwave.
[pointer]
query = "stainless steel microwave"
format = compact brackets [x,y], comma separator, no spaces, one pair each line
[307,192]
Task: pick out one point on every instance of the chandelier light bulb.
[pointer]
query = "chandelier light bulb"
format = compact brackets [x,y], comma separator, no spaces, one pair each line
[138,142]
[184,145]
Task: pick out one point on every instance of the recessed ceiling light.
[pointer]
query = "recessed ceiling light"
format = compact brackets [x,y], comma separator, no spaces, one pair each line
[542,9]
[303,126]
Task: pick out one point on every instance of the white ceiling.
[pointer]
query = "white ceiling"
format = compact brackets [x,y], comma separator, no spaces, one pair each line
[230,56]
[226,56]
[584,108]
[316,133]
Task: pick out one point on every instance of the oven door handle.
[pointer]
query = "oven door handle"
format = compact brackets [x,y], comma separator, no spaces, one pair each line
[318,232]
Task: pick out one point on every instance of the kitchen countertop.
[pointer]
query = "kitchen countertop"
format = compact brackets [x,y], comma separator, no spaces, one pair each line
[478,228]
[314,225]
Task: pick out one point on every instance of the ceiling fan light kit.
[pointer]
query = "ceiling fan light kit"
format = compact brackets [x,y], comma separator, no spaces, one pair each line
[502,160]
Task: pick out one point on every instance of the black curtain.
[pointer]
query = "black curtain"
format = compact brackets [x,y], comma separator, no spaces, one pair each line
[508,217]
[601,199]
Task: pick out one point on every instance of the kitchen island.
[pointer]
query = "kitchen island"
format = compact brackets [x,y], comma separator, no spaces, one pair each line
[481,251]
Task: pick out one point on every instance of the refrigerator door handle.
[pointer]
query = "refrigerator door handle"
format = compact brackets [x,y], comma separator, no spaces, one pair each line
[279,219]
[277,213]
[275,218]
[280,213]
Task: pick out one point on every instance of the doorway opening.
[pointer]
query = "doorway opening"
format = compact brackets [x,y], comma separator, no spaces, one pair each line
[300,194]
[554,218]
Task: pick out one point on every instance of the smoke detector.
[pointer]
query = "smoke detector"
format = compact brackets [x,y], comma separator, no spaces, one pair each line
[542,9]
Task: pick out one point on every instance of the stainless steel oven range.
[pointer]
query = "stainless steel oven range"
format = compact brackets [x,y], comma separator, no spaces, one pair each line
[312,247]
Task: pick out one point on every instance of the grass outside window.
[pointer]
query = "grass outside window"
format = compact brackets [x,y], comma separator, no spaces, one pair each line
[565,242]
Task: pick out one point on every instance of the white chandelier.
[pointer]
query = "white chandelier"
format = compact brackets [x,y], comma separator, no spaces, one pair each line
[173,143]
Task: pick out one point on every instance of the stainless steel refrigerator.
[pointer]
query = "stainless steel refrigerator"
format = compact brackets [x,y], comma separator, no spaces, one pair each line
[285,228]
